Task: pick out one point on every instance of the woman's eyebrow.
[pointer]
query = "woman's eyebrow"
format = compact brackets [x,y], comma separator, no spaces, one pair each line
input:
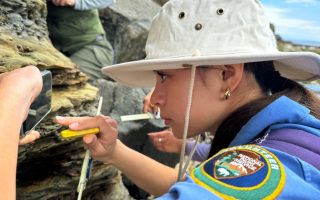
[221,67]
[161,71]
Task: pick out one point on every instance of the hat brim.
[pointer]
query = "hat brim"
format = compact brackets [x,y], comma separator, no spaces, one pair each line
[299,66]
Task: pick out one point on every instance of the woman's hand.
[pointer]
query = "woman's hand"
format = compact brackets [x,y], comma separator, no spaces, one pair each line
[103,145]
[165,141]
[30,137]
[21,87]
[147,105]
[70,3]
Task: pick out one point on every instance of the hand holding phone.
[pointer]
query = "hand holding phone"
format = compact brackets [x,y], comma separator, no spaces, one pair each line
[41,106]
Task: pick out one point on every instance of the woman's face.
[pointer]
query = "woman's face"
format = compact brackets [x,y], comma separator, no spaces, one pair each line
[208,105]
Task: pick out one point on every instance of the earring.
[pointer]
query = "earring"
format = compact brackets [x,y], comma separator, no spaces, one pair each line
[227,94]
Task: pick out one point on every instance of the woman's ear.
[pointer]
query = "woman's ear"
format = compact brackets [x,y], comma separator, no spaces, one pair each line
[232,75]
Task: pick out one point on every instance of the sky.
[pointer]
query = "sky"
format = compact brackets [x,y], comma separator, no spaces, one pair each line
[295,20]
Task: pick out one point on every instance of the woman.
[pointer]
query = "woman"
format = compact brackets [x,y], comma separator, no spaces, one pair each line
[217,69]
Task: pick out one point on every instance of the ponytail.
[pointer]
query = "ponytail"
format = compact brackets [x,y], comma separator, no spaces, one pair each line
[271,82]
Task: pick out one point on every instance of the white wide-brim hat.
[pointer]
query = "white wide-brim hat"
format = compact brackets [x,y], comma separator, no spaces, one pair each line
[212,32]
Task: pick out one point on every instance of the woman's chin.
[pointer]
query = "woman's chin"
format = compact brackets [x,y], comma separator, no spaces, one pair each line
[177,132]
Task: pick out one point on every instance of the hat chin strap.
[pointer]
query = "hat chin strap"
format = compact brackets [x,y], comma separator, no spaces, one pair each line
[182,169]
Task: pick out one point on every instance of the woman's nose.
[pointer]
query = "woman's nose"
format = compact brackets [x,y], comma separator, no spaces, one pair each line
[157,97]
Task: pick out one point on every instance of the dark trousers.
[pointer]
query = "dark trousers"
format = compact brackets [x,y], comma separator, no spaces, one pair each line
[92,57]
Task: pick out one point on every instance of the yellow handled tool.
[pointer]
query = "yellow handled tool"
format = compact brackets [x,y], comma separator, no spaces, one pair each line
[67,134]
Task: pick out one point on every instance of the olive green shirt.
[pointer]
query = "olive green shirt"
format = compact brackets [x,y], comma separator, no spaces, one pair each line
[71,29]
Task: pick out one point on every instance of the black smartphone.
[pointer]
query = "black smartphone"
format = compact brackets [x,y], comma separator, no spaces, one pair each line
[41,106]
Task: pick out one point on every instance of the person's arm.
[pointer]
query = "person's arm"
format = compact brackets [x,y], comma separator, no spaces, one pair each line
[92,4]
[148,174]
[84,4]
[145,172]
[17,90]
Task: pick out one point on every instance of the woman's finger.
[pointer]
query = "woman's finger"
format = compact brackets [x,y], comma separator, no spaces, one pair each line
[77,123]
[29,137]
[147,106]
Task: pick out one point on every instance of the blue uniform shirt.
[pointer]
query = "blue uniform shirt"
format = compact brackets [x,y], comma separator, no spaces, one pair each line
[254,172]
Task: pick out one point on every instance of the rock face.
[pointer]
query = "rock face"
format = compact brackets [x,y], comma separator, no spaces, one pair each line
[129,19]
[50,168]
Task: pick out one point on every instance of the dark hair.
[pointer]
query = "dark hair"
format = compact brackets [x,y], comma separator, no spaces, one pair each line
[269,80]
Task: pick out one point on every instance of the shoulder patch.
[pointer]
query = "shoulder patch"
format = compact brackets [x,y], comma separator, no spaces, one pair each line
[242,172]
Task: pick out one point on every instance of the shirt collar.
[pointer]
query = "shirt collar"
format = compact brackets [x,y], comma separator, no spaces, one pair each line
[282,110]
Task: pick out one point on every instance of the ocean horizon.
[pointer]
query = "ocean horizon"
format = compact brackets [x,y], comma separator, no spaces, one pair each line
[305,42]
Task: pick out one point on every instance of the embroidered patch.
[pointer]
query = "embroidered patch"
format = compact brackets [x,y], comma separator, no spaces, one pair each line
[237,163]
[242,172]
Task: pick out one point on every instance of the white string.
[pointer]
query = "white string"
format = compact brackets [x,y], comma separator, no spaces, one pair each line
[191,155]
[186,123]
[87,164]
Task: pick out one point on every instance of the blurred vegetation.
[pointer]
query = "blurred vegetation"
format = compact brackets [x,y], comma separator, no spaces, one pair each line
[290,46]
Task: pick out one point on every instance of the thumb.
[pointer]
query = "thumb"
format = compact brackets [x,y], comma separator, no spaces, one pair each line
[153,135]
[30,137]
[145,106]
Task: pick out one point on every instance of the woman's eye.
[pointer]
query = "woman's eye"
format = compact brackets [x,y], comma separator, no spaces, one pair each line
[162,76]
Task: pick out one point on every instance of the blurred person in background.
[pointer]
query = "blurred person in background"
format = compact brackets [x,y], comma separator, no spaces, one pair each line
[75,29]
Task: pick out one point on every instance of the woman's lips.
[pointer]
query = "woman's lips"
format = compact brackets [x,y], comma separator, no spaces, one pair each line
[167,121]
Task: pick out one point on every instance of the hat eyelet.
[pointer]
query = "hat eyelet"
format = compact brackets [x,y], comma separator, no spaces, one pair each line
[181,15]
[198,26]
[220,11]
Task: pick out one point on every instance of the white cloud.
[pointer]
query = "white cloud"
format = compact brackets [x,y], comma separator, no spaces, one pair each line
[293,28]
[274,12]
[305,2]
